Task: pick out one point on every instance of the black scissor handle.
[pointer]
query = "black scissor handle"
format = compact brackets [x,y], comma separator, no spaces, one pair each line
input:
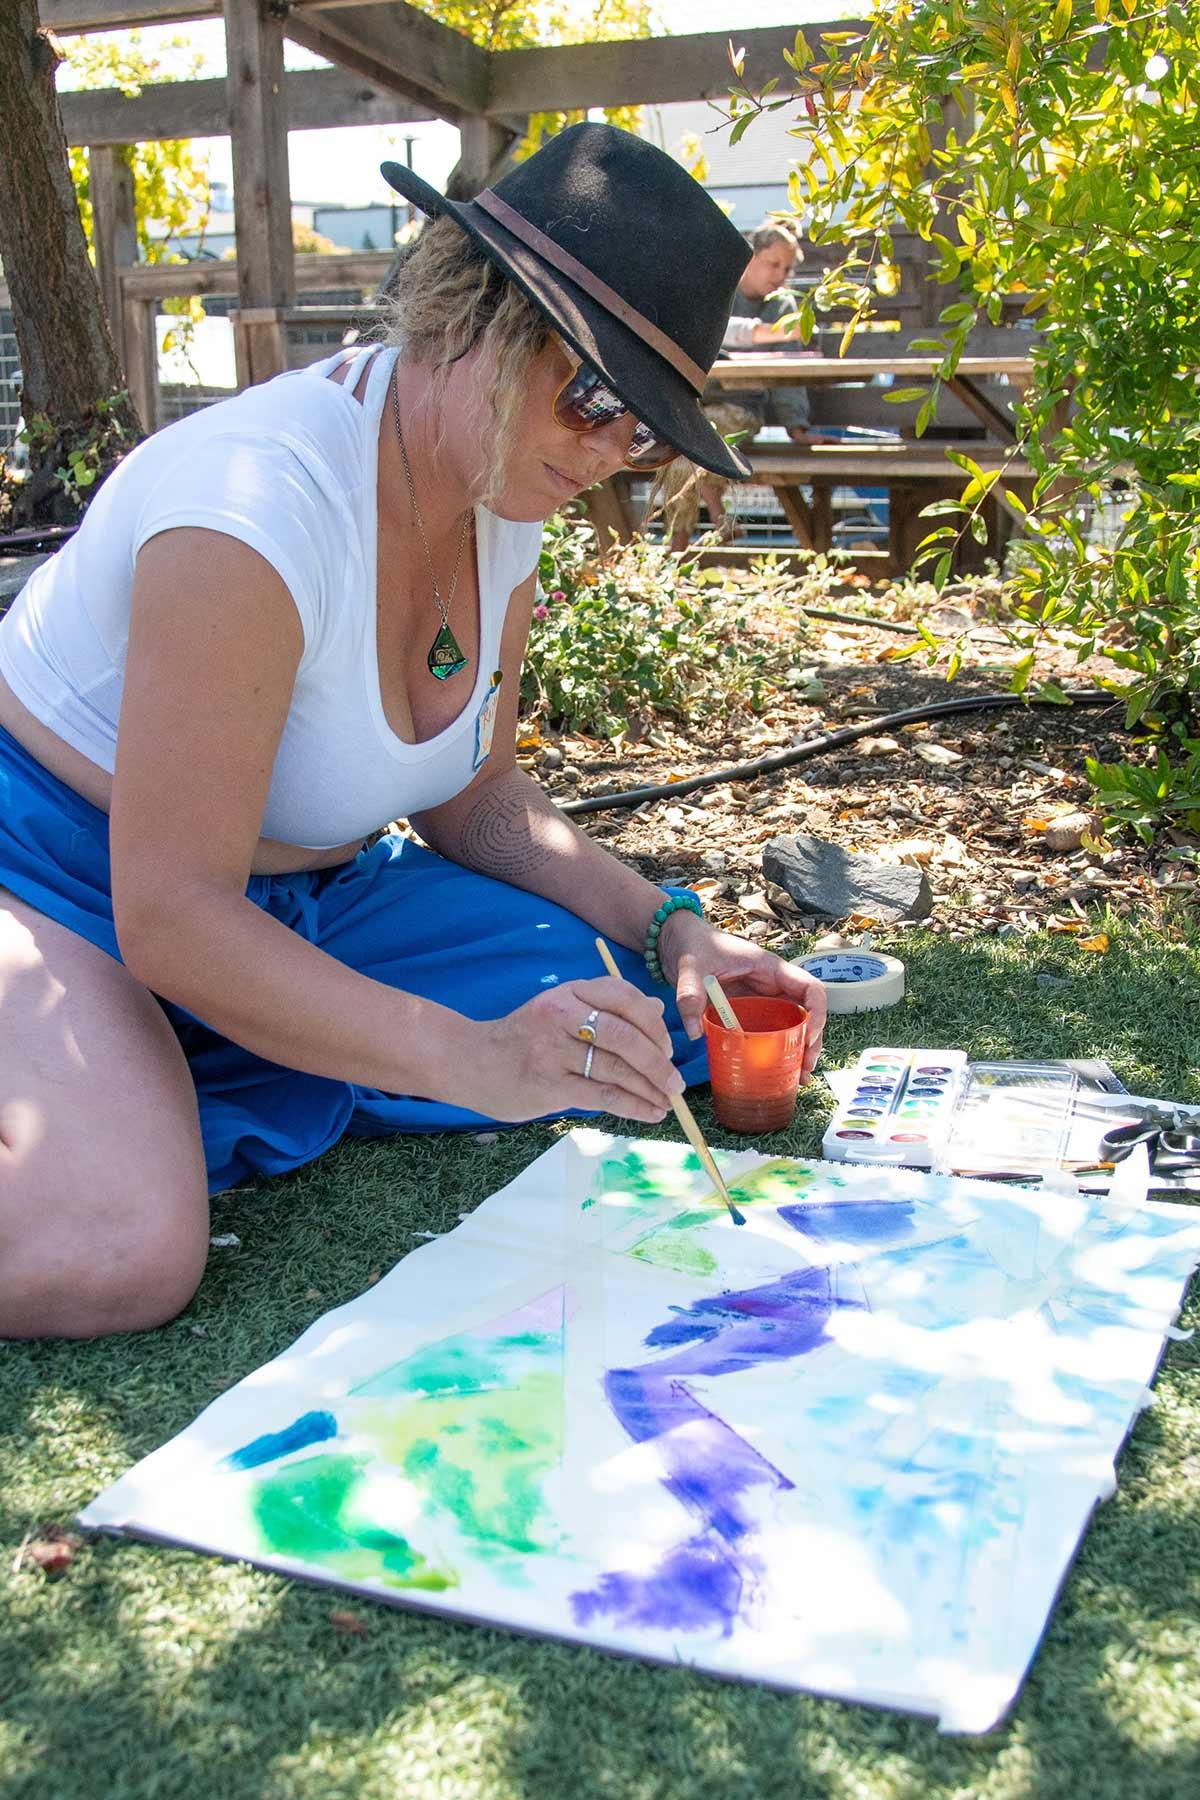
[1116,1144]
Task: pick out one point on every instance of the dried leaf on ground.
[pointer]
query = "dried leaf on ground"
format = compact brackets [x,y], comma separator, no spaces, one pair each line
[348,1624]
[53,1552]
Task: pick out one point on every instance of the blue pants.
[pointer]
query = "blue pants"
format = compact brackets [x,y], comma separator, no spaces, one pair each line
[396,912]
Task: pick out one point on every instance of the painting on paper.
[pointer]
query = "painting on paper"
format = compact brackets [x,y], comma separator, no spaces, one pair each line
[848,1447]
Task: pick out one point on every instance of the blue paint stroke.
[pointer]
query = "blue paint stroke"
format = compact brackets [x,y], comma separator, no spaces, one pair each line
[861,1221]
[311,1428]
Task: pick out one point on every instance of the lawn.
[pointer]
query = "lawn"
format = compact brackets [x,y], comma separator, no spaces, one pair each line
[144,1674]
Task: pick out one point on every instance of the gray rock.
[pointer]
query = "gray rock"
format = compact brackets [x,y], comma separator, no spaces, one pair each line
[829,882]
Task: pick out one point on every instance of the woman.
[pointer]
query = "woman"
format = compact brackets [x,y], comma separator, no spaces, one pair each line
[284,622]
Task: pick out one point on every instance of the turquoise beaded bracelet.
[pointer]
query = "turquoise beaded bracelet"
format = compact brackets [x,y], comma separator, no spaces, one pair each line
[685,902]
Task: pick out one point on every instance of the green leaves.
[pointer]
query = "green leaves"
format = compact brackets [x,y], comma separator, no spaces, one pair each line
[1065,190]
[636,632]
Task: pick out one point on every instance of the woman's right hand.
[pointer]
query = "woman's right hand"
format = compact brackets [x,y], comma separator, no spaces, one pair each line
[533,1059]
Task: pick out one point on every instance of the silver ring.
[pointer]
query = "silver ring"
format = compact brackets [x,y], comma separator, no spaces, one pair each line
[587,1062]
[587,1031]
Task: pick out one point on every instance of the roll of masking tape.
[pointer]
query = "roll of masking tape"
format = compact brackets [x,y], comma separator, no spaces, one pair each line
[857,980]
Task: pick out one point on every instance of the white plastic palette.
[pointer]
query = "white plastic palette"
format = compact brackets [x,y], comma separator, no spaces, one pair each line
[900,1108]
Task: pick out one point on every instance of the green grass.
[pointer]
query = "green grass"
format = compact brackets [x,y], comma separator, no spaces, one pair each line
[145,1673]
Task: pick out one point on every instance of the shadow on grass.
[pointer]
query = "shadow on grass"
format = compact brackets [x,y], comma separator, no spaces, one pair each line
[147,1673]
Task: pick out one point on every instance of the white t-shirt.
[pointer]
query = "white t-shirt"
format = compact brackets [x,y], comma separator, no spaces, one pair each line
[289,468]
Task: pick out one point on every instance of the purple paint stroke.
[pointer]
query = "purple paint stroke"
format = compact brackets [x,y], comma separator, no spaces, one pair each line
[708,1467]
[782,1319]
[696,1586]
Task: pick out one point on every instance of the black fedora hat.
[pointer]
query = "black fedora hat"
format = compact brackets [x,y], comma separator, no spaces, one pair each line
[630,260]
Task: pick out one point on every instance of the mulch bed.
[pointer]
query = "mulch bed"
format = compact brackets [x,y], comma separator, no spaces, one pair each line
[968,798]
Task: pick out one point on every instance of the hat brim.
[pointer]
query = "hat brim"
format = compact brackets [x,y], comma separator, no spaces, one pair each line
[654,392]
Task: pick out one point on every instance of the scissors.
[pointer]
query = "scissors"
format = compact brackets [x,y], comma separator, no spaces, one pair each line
[1174,1147]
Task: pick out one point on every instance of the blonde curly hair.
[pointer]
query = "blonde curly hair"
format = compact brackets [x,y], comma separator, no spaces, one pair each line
[447,298]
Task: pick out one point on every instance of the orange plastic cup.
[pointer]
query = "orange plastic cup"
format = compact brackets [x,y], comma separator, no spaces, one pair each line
[755,1072]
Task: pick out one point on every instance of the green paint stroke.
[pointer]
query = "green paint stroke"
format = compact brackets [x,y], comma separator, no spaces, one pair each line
[316,1510]
[779,1182]
[668,1248]
[463,1431]
[647,1175]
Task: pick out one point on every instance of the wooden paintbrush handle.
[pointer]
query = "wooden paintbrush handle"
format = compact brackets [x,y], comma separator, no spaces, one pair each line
[681,1109]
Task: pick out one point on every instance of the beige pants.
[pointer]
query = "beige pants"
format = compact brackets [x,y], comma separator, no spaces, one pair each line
[679,487]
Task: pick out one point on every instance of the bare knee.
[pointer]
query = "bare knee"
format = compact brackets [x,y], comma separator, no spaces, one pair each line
[116,1270]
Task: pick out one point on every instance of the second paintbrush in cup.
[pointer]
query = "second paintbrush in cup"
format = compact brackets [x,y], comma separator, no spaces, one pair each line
[755,1070]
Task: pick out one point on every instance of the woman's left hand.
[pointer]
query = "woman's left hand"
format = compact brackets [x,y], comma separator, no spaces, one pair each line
[692,949]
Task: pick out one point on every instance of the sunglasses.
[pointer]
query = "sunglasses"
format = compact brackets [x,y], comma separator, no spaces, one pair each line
[585,403]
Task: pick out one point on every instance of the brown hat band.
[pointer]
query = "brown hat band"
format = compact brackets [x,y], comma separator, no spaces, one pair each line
[599,290]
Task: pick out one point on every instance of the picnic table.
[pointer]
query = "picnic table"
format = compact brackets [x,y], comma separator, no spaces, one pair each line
[913,471]
[791,368]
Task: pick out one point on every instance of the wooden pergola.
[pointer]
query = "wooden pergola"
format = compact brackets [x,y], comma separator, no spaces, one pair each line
[393,64]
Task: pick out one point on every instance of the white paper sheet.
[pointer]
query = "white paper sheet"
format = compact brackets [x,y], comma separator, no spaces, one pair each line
[849,1447]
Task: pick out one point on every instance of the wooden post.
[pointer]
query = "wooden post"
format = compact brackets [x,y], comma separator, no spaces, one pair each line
[259,343]
[609,513]
[262,198]
[484,147]
[139,353]
[114,229]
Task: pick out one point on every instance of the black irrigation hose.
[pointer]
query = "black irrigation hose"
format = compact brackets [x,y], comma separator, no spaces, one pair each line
[841,618]
[833,740]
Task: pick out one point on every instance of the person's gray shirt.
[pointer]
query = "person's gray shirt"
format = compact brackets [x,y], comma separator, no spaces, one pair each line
[787,406]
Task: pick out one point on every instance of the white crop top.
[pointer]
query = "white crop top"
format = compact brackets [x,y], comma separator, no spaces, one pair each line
[288,467]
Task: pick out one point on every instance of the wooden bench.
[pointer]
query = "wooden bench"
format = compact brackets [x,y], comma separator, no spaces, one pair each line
[915,474]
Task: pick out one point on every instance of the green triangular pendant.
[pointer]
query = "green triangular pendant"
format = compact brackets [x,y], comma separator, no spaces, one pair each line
[445,657]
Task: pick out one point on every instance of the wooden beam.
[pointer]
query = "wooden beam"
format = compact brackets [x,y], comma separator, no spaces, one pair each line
[317,100]
[68,16]
[402,51]
[258,133]
[642,71]
[310,273]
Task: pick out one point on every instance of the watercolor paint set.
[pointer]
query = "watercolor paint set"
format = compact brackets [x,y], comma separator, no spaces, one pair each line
[899,1108]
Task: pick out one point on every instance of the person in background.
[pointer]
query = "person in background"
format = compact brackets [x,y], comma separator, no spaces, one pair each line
[761,305]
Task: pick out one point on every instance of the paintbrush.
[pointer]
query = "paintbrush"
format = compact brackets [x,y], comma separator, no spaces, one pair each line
[721,1006]
[683,1113]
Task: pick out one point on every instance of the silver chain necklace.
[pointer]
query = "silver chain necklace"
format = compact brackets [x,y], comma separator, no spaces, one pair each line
[446,656]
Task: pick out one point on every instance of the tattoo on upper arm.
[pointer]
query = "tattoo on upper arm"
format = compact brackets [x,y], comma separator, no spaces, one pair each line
[506,835]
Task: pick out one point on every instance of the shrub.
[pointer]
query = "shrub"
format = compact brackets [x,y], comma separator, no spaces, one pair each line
[619,638]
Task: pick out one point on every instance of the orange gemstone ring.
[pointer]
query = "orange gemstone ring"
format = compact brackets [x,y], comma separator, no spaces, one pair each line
[587,1031]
